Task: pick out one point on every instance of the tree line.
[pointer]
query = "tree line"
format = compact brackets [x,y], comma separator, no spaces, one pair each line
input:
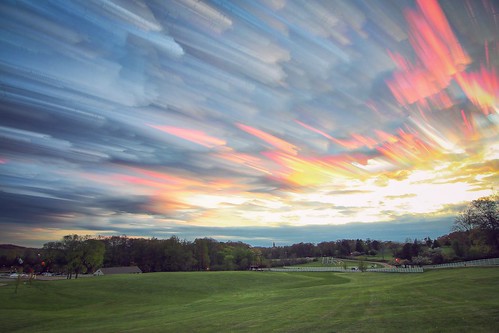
[74,254]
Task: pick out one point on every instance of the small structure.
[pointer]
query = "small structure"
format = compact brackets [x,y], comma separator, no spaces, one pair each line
[255,268]
[118,270]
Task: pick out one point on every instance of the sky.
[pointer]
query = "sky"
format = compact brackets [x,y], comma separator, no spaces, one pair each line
[256,121]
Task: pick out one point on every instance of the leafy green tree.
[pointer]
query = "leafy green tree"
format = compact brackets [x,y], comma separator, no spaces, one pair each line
[229,260]
[55,256]
[362,266]
[71,246]
[92,254]
[177,255]
[257,257]
[202,254]
[243,257]
[118,251]
[76,254]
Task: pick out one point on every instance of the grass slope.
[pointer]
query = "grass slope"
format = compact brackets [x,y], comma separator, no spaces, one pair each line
[458,300]
[340,264]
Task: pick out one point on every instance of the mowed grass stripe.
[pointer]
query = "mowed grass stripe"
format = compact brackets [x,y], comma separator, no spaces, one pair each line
[454,300]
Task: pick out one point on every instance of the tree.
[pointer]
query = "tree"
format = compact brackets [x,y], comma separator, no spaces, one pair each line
[177,255]
[92,254]
[344,248]
[72,250]
[362,266]
[459,248]
[415,248]
[406,252]
[359,246]
[420,260]
[77,254]
[326,249]
[480,219]
[201,253]
[464,220]
[55,256]
[118,251]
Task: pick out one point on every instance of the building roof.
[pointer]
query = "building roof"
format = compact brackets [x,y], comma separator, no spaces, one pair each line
[120,270]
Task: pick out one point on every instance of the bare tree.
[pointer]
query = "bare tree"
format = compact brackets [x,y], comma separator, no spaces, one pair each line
[481,215]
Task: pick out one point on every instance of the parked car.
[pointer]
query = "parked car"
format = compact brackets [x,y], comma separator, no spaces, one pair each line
[16,275]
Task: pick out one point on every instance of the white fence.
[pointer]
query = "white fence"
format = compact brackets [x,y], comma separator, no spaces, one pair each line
[481,262]
[397,270]
[309,269]
[340,269]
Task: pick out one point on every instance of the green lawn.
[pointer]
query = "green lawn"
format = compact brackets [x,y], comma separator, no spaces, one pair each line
[454,300]
[340,263]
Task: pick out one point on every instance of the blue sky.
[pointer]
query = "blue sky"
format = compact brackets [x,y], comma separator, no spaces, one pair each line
[257,121]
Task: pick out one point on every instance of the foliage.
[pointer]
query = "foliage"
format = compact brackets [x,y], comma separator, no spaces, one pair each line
[79,254]
[420,260]
[75,254]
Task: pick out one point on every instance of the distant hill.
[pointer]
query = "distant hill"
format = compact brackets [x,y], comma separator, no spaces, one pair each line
[10,251]
[12,247]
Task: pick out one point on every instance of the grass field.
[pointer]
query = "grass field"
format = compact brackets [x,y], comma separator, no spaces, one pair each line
[340,263]
[454,300]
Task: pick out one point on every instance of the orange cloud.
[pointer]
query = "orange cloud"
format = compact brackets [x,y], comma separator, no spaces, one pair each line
[195,136]
[439,56]
[270,139]
[355,143]
[364,140]
[386,137]
[313,129]
[448,42]
[481,87]
[467,125]
[247,160]
[407,149]
[310,171]
[411,82]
